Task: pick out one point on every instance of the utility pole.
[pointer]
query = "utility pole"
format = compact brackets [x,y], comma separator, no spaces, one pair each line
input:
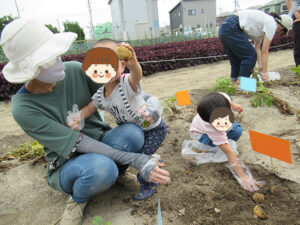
[236,5]
[17,8]
[91,21]
[58,25]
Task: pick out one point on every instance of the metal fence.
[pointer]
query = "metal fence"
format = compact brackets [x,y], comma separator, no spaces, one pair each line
[83,46]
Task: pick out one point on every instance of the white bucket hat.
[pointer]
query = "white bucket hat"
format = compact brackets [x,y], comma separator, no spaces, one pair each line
[286,21]
[30,47]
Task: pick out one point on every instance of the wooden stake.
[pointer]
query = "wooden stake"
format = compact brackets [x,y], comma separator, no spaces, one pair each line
[272,164]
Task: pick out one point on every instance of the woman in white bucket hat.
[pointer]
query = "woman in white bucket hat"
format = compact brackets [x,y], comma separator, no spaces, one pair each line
[259,27]
[77,163]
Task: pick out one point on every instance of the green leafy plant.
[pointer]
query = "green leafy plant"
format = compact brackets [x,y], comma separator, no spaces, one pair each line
[182,36]
[225,85]
[146,41]
[296,70]
[169,105]
[28,151]
[98,220]
[262,94]
[159,40]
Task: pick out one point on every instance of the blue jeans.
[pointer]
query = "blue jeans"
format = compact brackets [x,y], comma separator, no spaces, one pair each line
[234,134]
[89,174]
[241,53]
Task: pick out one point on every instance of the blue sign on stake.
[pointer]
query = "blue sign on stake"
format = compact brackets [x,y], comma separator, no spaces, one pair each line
[248,84]
[159,218]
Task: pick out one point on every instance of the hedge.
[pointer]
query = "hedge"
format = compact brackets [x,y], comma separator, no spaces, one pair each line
[163,57]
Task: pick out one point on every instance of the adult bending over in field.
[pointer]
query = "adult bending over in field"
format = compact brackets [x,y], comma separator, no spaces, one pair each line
[76,165]
[235,32]
[294,12]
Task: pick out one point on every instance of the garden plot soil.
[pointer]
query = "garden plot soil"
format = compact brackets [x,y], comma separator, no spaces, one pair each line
[203,194]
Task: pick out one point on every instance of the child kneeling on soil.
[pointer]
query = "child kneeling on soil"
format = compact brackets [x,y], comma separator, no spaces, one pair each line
[214,125]
[122,97]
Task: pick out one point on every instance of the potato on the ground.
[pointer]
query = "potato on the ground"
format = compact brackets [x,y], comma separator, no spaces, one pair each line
[258,211]
[258,197]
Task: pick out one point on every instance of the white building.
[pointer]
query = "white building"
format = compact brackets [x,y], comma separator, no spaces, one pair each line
[133,19]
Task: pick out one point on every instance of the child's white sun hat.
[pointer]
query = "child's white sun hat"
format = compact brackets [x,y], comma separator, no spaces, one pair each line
[30,47]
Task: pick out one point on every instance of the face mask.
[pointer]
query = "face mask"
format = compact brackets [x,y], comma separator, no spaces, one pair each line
[53,73]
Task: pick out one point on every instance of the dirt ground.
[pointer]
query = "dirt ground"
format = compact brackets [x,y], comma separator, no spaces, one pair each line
[203,194]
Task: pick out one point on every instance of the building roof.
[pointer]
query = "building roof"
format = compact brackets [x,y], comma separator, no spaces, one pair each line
[175,6]
[273,2]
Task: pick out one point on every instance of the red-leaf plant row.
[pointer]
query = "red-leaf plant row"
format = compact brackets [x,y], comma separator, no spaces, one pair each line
[209,50]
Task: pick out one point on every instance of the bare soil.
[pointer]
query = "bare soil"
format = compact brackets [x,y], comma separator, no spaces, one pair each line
[203,194]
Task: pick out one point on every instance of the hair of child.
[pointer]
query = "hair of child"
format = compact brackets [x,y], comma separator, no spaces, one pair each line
[209,103]
[100,56]
[221,113]
[104,41]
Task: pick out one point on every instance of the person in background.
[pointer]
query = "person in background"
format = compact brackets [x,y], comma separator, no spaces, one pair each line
[235,32]
[81,164]
[294,12]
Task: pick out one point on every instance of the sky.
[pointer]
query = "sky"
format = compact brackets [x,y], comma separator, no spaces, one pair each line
[55,12]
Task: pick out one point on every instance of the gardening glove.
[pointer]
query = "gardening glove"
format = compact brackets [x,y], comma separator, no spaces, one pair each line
[74,119]
[152,172]
[152,110]
[245,180]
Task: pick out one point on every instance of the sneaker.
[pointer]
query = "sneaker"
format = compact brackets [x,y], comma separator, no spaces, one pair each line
[146,189]
[128,180]
[73,213]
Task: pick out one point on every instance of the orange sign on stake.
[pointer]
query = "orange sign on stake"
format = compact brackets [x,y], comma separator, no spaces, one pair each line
[183,98]
[271,146]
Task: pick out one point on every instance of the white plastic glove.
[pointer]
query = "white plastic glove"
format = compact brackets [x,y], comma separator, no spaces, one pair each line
[246,181]
[152,171]
[152,110]
[74,119]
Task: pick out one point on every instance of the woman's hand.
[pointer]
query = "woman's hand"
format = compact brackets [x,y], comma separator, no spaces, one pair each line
[159,175]
[74,124]
[260,68]
[75,119]
[236,107]
[265,77]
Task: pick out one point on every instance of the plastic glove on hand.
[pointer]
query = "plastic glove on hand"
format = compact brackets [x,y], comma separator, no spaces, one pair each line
[74,119]
[246,180]
[159,175]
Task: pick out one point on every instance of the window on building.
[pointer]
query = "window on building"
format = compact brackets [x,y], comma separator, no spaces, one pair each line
[179,14]
[267,10]
[192,12]
[210,24]
[202,11]
[206,25]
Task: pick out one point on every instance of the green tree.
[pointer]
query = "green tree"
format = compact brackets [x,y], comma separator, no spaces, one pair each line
[52,28]
[74,27]
[5,20]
